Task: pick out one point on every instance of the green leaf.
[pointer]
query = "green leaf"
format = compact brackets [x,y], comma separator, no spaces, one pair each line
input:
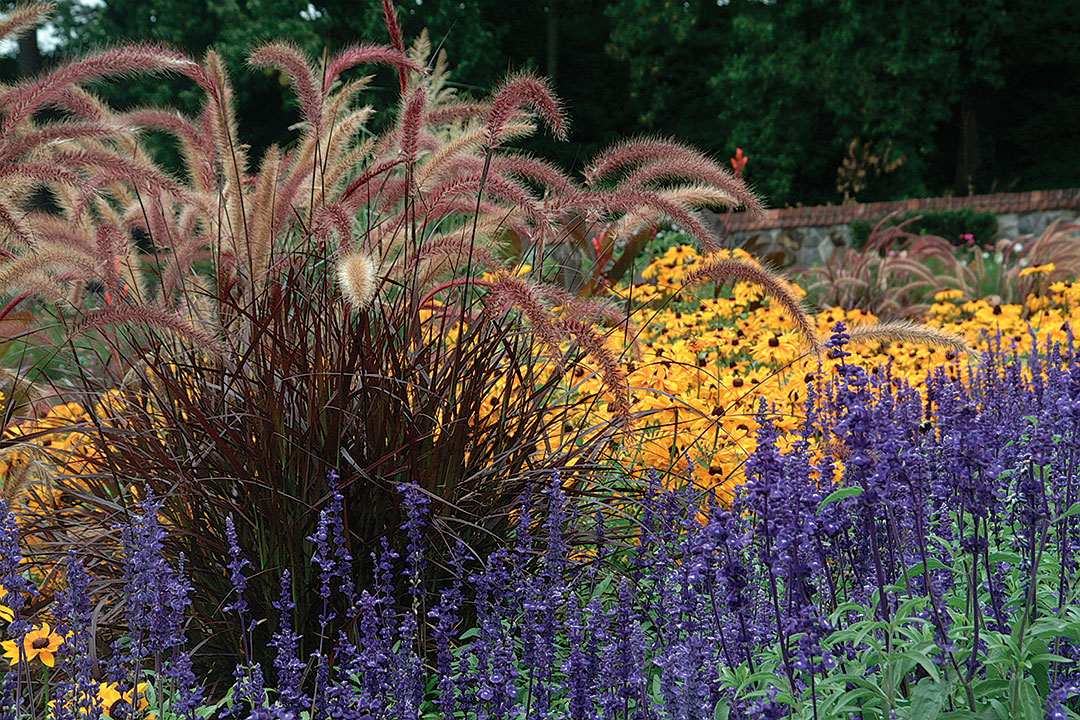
[990,687]
[928,698]
[839,495]
[1074,509]
[926,664]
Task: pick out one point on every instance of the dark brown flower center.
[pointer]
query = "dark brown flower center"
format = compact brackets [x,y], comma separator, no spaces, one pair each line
[121,710]
[774,342]
[40,643]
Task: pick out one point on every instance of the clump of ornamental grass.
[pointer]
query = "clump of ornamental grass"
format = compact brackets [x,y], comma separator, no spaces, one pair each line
[894,275]
[1026,265]
[908,332]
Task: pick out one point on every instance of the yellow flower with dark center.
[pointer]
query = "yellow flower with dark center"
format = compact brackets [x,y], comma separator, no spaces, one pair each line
[117,705]
[1042,269]
[745,293]
[948,295]
[776,349]
[6,614]
[40,643]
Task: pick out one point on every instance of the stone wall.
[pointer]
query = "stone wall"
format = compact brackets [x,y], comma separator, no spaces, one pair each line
[805,236]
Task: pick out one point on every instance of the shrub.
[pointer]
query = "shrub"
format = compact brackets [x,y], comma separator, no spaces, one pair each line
[1018,268]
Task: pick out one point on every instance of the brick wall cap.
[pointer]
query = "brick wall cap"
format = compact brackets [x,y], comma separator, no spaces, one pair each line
[824,215]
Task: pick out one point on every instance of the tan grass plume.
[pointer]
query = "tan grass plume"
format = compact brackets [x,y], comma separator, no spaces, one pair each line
[906,331]
[356,277]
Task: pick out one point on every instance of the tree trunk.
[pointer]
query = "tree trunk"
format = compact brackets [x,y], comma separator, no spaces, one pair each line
[967,155]
[29,54]
[553,39]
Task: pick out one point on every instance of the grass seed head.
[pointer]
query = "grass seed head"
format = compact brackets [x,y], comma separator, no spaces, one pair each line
[356,276]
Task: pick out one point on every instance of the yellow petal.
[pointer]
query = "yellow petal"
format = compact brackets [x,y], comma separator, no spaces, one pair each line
[47,658]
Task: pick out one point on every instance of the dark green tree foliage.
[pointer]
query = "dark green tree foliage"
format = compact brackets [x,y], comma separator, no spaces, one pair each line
[484,40]
[1034,128]
[794,82]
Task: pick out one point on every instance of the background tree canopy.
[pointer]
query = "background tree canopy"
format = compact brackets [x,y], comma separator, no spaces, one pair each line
[871,99]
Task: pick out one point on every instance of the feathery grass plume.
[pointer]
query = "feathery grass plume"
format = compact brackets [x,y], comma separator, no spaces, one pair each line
[16,394]
[343,155]
[150,317]
[585,309]
[367,53]
[23,473]
[688,196]
[498,187]
[288,58]
[519,92]
[352,197]
[461,144]
[16,273]
[199,304]
[513,292]
[537,171]
[906,331]
[23,100]
[259,245]
[233,155]
[55,133]
[637,202]
[10,219]
[438,80]
[656,158]
[24,18]
[357,279]
[339,103]
[723,269]
[46,173]
[393,26]
[611,371]
[79,103]
[331,219]
[696,167]
[196,146]
[458,111]
[453,251]
[110,167]
[411,115]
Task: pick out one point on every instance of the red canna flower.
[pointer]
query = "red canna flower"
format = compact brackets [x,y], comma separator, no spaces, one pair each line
[739,161]
[598,241]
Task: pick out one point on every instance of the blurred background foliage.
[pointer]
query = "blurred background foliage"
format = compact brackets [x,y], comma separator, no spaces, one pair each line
[923,97]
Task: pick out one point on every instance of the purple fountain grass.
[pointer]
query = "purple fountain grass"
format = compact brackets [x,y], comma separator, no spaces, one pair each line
[524,91]
[21,102]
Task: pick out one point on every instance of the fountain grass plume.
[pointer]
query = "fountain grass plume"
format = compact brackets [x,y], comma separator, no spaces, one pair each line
[724,269]
[907,331]
[522,91]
